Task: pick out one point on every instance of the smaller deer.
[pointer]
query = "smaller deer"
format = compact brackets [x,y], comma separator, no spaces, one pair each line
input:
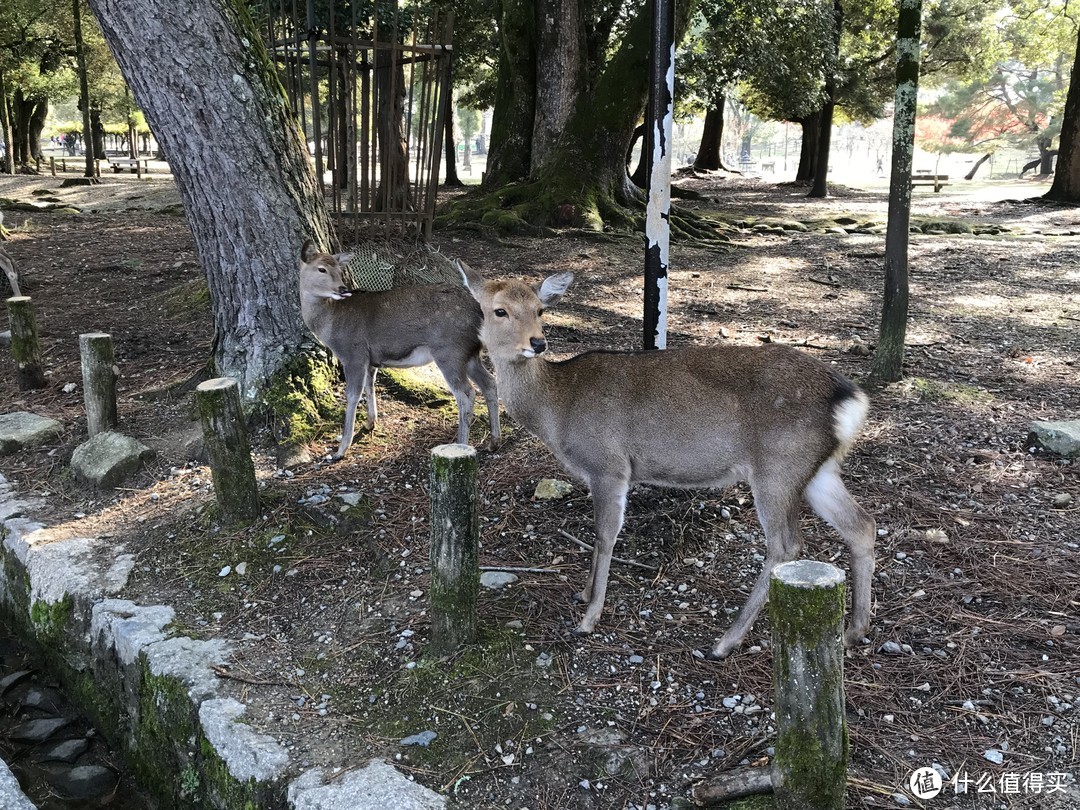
[7,264]
[703,416]
[400,328]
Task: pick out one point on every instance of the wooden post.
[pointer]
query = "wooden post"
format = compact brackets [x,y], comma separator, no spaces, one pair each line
[99,381]
[52,164]
[455,535]
[138,168]
[29,373]
[227,445]
[806,607]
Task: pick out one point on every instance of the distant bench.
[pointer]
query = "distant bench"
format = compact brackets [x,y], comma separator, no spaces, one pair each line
[938,181]
[136,165]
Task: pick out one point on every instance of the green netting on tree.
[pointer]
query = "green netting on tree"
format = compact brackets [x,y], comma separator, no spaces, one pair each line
[377,269]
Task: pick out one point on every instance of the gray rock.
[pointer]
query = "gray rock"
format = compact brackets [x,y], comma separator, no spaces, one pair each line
[497,579]
[83,782]
[66,751]
[377,785]
[891,648]
[1062,438]
[423,739]
[247,753]
[21,429]
[43,699]
[14,679]
[107,459]
[35,731]
[11,795]
[552,489]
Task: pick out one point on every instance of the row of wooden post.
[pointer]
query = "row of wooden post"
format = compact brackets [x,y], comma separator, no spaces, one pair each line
[811,748]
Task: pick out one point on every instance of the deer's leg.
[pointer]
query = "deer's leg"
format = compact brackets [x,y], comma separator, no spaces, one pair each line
[356,382]
[777,506]
[464,395]
[609,506]
[369,397]
[828,496]
[486,383]
[8,265]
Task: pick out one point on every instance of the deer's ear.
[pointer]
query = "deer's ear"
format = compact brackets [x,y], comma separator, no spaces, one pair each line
[554,287]
[308,251]
[472,280]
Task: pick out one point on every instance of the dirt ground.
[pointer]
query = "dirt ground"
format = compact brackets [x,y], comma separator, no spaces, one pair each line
[973,661]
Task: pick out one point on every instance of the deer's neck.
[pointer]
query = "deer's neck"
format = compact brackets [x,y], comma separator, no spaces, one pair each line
[526,387]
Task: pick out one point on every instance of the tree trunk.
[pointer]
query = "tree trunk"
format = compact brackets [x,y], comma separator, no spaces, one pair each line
[515,97]
[820,189]
[1066,185]
[84,90]
[889,356]
[978,164]
[8,164]
[560,74]
[37,125]
[97,133]
[450,146]
[236,153]
[1046,157]
[709,150]
[393,146]
[808,151]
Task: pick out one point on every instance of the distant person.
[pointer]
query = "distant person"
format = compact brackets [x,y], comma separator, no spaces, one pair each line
[880,167]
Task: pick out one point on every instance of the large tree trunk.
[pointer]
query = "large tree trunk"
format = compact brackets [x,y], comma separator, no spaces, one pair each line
[206,84]
[515,97]
[1066,185]
[712,137]
[560,74]
[84,92]
[889,356]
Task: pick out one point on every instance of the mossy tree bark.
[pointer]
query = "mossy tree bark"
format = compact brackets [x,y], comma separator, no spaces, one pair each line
[455,538]
[229,450]
[806,608]
[98,361]
[212,97]
[25,349]
[712,136]
[578,177]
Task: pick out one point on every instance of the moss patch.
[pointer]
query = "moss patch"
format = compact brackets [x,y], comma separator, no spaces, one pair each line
[302,396]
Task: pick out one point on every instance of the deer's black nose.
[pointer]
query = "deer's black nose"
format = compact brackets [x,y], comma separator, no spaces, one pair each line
[539,345]
[343,290]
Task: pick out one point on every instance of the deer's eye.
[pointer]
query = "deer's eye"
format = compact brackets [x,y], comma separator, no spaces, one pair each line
[322,269]
[500,313]
[540,313]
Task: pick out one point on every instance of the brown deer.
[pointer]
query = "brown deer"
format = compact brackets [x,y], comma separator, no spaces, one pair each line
[7,264]
[400,328]
[704,416]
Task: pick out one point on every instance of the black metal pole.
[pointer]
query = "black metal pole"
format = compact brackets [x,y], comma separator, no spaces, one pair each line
[658,186]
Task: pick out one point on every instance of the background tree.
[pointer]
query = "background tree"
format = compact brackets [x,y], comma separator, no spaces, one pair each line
[209,89]
[1066,185]
[571,89]
[889,356]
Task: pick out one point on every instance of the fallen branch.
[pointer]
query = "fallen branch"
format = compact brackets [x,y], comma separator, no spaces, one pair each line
[747,288]
[824,281]
[733,784]
[619,560]
[516,570]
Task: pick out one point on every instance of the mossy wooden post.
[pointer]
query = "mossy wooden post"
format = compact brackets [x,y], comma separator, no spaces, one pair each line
[99,381]
[455,535]
[227,445]
[29,373]
[806,607]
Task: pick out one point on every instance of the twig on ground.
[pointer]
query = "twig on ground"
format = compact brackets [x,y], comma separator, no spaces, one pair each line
[619,560]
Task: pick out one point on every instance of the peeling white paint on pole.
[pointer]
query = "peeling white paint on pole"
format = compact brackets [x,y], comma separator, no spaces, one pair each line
[658,202]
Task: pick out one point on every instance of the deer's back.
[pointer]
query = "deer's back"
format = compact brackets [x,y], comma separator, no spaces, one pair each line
[693,416]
